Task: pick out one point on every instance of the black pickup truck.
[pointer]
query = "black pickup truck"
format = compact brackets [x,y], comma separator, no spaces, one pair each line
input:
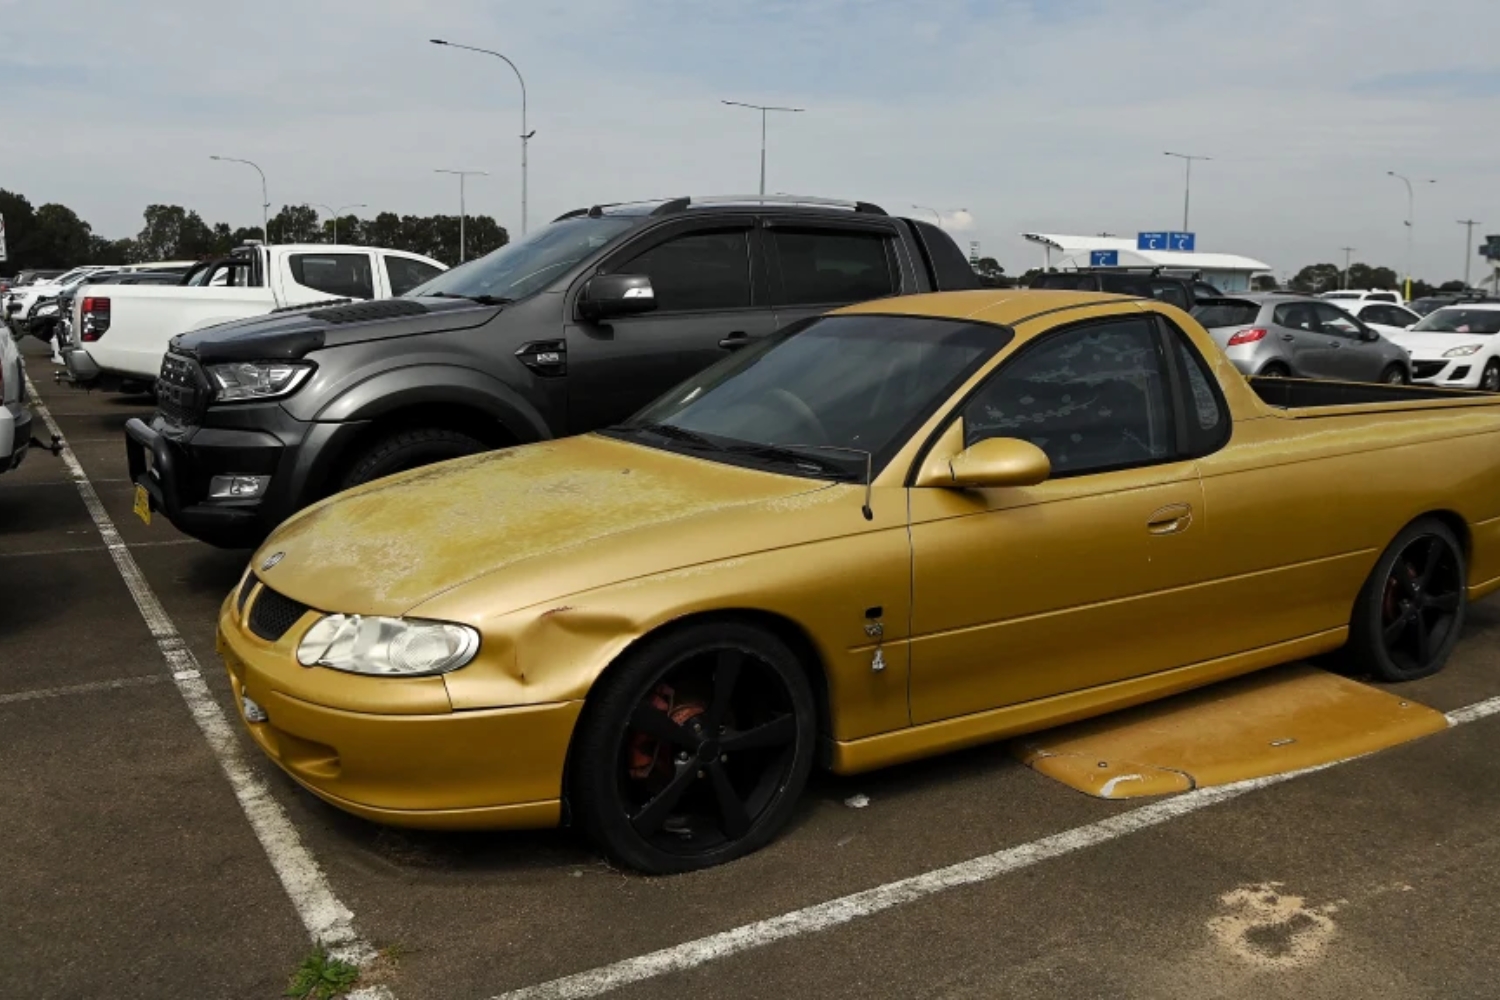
[573,328]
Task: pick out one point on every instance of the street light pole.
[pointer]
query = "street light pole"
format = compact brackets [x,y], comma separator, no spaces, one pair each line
[1411,212]
[1187,191]
[762,108]
[1469,224]
[335,212]
[462,175]
[936,214]
[1348,255]
[265,207]
[525,135]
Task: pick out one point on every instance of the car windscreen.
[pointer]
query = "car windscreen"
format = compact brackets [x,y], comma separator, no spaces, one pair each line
[1226,312]
[1456,319]
[814,399]
[518,269]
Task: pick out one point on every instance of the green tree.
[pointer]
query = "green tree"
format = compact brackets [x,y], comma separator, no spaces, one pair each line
[383,231]
[296,224]
[59,238]
[484,235]
[1316,278]
[1263,283]
[20,220]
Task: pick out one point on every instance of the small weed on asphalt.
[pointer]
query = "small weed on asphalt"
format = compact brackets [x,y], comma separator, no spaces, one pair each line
[321,978]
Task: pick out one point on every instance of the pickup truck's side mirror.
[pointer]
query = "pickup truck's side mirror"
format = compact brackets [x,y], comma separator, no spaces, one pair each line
[989,464]
[606,296]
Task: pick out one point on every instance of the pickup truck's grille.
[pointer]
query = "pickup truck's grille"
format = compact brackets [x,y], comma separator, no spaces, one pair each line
[181,392]
[1427,369]
[273,614]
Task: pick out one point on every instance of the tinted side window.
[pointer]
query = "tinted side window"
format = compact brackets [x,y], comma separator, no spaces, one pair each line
[832,266]
[1125,284]
[698,271]
[1207,414]
[1172,292]
[1296,316]
[346,275]
[1092,398]
[405,274]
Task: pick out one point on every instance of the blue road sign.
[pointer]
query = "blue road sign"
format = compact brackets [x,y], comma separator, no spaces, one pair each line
[1104,258]
[1185,242]
[1151,241]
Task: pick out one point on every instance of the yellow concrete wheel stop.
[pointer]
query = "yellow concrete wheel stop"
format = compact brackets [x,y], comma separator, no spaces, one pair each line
[1271,722]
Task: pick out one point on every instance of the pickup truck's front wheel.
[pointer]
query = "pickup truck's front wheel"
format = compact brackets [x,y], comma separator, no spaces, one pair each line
[405,450]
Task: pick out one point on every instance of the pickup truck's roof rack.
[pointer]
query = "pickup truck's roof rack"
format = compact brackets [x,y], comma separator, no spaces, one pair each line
[674,205]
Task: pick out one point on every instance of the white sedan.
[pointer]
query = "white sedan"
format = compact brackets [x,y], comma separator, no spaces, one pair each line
[1456,346]
[1385,317]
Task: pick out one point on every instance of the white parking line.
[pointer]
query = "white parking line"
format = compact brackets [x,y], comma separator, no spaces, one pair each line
[95,548]
[822,916]
[63,692]
[327,920]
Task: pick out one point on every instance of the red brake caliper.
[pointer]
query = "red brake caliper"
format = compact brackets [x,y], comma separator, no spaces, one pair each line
[649,755]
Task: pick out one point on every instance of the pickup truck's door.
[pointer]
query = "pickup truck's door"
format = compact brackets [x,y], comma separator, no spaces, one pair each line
[1354,359]
[818,265]
[1025,593]
[709,303]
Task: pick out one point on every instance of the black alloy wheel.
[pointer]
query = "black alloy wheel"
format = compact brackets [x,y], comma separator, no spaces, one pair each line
[1394,375]
[1490,380]
[1275,370]
[1411,610]
[694,749]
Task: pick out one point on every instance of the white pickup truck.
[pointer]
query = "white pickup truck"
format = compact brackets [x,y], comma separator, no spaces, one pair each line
[119,334]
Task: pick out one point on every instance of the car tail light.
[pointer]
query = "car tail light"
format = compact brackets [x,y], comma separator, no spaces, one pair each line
[1249,336]
[95,318]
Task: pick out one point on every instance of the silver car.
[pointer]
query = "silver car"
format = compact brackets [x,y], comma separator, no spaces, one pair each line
[1295,336]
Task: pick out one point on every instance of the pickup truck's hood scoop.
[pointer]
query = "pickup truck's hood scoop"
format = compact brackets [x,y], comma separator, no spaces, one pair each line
[295,333]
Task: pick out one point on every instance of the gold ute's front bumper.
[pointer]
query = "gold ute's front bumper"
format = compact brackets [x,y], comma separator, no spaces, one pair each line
[419,764]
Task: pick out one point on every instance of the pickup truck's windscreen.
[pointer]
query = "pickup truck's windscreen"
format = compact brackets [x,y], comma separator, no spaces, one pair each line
[1455,319]
[842,382]
[518,269]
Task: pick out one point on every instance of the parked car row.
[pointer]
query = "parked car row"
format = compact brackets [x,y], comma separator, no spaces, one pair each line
[794,534]
[1280,335]
[572,328]
[118,340]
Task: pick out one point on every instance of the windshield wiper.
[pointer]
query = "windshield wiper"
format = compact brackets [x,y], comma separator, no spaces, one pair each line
[674,433]
[484,300]
[790,456]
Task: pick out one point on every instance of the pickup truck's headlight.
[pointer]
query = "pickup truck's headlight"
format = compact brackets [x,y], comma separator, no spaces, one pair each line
[249,380]
[387,647]
[1462,352]
[47,309]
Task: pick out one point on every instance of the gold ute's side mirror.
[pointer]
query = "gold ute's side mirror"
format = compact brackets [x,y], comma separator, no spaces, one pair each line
[991,463]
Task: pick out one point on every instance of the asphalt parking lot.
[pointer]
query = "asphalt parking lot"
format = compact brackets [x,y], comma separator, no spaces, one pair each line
[137,863]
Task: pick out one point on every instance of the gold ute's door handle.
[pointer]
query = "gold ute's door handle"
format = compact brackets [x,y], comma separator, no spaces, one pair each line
[1170,519]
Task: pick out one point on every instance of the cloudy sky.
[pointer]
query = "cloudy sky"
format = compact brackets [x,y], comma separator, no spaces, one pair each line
[1032,115]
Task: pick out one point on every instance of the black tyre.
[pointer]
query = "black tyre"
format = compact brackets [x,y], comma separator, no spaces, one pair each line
[1275,370]
[1410,612]
[408,450]
[1393,375]
[693,749]
[1490,380]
